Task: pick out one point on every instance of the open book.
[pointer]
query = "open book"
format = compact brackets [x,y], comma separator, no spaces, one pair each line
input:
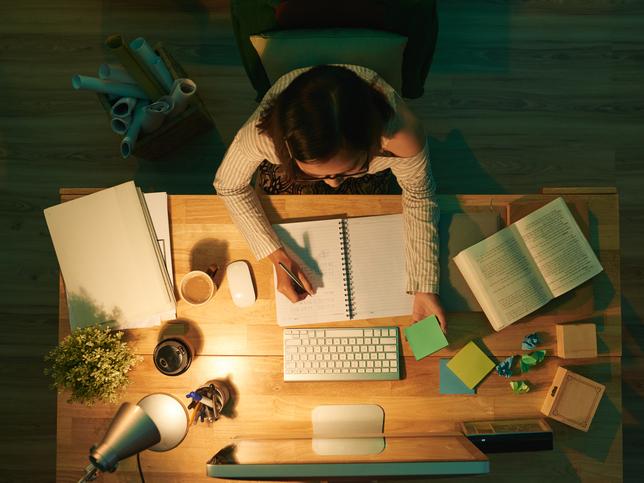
[524,266]
[357,266]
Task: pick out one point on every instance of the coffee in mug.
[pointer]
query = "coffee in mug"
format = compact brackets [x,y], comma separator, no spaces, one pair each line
[198,287]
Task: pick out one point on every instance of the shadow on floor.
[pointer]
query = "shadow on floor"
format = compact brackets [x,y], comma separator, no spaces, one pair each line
[456,169]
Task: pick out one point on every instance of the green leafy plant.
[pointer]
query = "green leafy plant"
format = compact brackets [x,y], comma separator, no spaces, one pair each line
[93,364]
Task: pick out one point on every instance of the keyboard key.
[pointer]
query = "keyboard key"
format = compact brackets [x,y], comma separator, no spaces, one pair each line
[346,332]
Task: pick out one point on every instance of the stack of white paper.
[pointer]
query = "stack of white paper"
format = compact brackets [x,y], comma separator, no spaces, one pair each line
[111,260]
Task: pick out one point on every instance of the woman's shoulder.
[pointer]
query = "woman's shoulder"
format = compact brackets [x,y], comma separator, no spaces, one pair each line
[254,143]
[405,136]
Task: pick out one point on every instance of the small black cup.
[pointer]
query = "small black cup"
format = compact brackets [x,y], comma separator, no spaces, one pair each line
[172,357]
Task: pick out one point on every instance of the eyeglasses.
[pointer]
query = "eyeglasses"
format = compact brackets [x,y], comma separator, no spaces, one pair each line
[302,177]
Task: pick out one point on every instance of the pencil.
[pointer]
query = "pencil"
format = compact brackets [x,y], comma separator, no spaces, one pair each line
[296,280]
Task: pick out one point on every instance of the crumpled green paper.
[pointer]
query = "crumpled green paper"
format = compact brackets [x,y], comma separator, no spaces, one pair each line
[519,387]
[530,360]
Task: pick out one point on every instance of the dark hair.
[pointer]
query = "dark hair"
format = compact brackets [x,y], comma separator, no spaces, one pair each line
[322,111]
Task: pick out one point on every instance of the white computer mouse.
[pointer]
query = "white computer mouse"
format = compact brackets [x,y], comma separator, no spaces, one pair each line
[240,284]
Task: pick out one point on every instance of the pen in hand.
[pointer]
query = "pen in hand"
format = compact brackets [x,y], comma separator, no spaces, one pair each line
[297,283]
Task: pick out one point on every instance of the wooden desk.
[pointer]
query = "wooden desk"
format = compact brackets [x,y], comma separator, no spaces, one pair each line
[244,346]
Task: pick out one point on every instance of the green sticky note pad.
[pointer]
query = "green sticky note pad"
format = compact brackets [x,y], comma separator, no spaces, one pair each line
[425,337]
[471,365]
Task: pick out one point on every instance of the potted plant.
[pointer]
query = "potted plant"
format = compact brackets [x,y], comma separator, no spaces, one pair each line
[93,364]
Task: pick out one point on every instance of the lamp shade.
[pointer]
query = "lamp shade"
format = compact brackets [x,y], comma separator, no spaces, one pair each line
[169,416]
[130,432]
[159,422]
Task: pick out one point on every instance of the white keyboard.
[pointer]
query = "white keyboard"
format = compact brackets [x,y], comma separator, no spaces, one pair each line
[341,354]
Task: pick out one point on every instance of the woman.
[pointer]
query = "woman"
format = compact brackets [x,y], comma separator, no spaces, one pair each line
[338,129]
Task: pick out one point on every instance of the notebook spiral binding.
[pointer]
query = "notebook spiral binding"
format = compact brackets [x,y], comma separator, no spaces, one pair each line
[347,279]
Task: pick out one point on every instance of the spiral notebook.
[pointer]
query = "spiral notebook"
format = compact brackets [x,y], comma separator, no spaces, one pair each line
[356,264]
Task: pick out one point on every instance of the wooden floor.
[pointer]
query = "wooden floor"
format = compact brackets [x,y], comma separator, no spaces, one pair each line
[521,95]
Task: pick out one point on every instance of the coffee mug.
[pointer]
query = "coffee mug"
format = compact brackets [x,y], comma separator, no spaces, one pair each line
[198,287]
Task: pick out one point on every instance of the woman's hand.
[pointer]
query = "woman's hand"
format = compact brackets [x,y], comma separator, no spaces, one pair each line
[426,304]
[284,283]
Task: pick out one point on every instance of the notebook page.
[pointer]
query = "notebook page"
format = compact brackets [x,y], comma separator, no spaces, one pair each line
[378,275]
[315,245]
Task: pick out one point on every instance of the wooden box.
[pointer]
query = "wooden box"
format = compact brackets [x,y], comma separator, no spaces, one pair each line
[576,340]
[176,131]
[572,399]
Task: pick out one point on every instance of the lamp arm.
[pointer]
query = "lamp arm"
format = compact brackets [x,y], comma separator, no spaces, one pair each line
[91,472]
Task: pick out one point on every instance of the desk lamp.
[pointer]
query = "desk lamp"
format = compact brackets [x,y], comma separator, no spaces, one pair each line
[159,422]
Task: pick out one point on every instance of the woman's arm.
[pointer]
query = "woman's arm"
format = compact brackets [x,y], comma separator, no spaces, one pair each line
[232,183]
[420,213]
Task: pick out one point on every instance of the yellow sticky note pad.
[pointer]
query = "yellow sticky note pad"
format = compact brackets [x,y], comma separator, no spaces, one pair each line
[470,365]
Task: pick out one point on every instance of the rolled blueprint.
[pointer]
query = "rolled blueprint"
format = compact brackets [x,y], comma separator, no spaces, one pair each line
[129,141]
[141,48]
[120,124]
[115,73]
[154,114]
[159,68]
[182,90]
[135,67]
[145,53]
[123,107]
[107,87]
